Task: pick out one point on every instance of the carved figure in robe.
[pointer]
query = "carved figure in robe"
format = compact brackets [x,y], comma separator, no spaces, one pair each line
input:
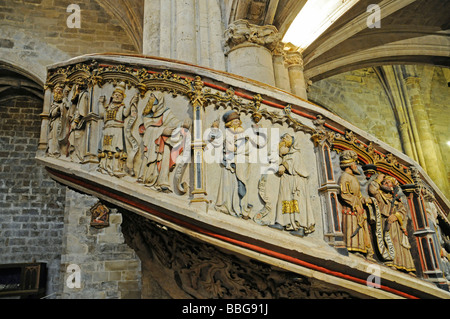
[113,153]
[232,195]
[354,217]
[232,192]
[394,219]
[164,139]
[293,211]
[57,112]
[77,139]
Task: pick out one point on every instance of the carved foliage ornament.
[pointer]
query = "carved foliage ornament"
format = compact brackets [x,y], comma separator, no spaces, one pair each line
[204,271]
[242,32]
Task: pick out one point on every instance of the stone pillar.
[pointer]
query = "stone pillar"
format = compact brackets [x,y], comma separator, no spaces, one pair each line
[279,68]
[296,76]
[250,50]
[434,167]
[185,31]
[152,28]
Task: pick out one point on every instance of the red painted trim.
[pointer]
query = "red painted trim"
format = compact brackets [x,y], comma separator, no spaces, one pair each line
[203,231]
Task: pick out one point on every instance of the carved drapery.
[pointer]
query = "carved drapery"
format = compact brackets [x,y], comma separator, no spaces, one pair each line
[144,94]
[417,195]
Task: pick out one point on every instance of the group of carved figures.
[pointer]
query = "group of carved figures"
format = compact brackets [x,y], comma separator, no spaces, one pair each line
[293,212]
[164,138]
[383,210]
[163,135]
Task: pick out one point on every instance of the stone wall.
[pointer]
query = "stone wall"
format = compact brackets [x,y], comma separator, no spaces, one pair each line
[31,204]
[34,33]
[108,267]
[359,98]
[437,105]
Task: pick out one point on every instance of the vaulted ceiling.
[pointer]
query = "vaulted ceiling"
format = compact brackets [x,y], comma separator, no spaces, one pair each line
[412,31]
[130,14]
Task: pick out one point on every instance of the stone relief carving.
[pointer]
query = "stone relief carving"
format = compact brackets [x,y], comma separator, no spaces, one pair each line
[164,139]
[112,153]
[391,223]
[142,137]
[203,271]
[57,115]
[293,210]
[232,197]
[78,114]
[354,218]
[145,131]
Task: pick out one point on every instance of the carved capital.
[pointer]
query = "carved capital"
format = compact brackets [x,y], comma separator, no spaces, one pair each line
[241,32]
[279,49]
[294,58]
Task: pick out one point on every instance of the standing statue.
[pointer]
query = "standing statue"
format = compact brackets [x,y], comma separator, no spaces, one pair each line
[393,221]
[293,212]
[354,217]
[77,138]
[113,155]
[232,195]
[163,141]
[58,108]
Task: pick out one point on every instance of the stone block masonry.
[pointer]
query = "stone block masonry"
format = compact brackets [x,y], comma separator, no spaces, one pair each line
[31,204]
[109,269]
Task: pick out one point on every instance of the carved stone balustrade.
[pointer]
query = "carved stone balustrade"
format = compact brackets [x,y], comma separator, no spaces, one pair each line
[248,169]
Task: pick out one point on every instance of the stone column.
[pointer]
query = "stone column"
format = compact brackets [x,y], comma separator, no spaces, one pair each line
[185,31]
[250,50]
[152,28]
[280,69]
[434,167]
[296,76]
